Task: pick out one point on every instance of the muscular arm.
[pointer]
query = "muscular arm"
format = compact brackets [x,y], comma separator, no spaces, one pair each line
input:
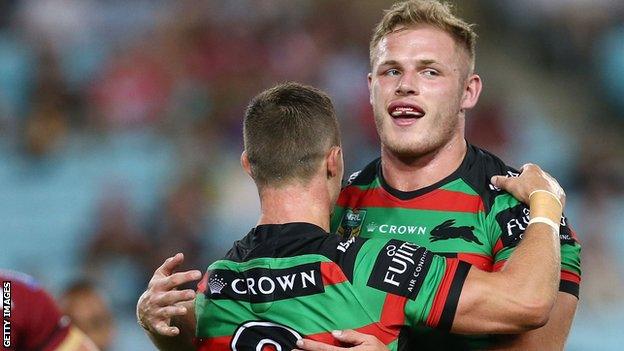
[553,335]
[521,296]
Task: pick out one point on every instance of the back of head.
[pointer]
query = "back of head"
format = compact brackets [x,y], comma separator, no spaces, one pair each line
[288,130]
[425,12]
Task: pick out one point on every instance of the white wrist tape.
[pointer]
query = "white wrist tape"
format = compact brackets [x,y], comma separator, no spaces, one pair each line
[547,221]
[549,193]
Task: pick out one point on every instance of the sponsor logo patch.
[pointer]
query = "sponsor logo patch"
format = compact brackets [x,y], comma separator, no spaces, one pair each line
[401,268]
[351,223]
[264,285]
[514,221]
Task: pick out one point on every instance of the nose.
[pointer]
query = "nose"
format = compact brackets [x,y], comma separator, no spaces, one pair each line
[407,85]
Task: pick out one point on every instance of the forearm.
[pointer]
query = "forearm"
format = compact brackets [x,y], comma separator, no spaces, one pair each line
[182,342]
[521,295]
[532,272]
[184,339]
[552,336]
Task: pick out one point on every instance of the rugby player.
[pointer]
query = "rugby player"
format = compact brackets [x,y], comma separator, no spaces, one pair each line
[431,187]
[288,278]
[33,321]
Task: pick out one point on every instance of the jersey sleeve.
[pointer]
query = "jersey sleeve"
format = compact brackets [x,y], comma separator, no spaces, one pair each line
[40,325]
[507,222]
[418,287]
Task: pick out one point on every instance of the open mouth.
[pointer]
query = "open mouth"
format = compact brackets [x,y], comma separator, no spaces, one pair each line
[405,113]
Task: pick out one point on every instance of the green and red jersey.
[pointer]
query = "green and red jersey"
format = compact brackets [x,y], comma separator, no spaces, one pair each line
[284,282]
[462,216]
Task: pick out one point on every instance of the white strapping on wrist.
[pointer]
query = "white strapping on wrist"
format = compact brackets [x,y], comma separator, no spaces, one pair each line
[547,192]
[547,221]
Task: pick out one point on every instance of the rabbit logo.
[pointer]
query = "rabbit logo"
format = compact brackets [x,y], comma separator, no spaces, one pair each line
[445,231]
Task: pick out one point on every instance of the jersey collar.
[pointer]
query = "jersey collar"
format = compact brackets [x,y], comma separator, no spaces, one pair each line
[468,160]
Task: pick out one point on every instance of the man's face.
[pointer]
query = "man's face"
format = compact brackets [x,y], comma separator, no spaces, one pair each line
[416,88]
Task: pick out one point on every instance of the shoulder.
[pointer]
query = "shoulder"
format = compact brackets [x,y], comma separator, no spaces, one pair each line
[20,280]
[483,166]
[365,175]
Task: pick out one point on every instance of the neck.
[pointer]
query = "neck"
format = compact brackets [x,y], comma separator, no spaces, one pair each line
[295,203]
[416,172]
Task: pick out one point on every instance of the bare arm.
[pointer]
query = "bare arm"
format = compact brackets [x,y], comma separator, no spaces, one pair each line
[521,296]
[553,335]
[167,314]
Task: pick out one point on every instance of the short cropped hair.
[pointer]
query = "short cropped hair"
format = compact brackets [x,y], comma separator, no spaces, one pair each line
[287,131]
[430,12]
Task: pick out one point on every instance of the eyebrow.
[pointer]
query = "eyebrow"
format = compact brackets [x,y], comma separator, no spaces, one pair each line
[420,62]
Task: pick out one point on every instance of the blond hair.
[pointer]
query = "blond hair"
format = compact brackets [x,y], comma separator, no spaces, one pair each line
[430,12]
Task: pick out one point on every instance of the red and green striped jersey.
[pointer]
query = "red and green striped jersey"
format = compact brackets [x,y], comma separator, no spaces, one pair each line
[284,282]
[462,216]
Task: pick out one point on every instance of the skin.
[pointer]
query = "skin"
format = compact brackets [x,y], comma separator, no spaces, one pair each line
[167,314]
[423,65]
[524,302]
[420,66]
[89,312]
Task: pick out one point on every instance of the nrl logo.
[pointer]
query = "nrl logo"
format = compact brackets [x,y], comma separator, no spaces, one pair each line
[351,223]
[216,284]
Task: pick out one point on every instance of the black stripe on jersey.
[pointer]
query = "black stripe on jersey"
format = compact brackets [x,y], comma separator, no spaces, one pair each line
[569,287]
[347,253]
[296,239]
[366,175]
[283,240]
[450,307]
[408,195]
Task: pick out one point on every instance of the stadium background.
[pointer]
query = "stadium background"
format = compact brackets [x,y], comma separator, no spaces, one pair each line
[120,127]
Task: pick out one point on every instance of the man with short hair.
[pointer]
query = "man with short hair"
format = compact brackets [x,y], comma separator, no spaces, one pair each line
[431,187]
[288,278]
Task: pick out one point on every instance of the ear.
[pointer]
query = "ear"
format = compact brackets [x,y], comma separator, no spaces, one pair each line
[448,223]
[471,93]
[245,163]
[335,164]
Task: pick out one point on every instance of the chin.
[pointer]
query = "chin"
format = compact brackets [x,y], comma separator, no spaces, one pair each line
[411,149]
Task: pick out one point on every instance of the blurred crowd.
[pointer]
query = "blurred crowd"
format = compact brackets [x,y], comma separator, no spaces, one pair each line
[120,127]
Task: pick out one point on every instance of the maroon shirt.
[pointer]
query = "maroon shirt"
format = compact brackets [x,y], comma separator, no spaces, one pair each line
[36,321]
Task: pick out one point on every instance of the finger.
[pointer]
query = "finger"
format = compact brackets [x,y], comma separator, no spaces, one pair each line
[171,311]
[527,166]
[311,345]
[177,279]
[170,264]
[499,181]
[350,336]
[163,328]
[172,297]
